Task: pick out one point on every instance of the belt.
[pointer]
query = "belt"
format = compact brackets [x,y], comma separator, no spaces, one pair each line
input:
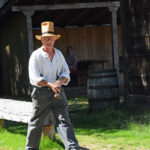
[43,87]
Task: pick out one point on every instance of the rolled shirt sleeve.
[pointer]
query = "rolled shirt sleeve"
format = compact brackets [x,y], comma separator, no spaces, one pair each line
[34,71]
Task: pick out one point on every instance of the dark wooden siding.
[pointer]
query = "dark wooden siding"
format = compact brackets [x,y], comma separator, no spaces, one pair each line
[14,57]
[135,18]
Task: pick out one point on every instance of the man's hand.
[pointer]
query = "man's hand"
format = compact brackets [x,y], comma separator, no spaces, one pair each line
[58,83]
[53,87]
[56,87]
[48,84]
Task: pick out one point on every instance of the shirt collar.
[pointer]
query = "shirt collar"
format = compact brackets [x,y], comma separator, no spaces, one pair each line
[44,53]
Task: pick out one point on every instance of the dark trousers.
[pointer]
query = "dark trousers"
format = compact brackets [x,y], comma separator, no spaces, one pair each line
[44,102]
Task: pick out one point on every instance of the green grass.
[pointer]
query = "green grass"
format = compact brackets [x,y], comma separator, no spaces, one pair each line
[11,141]
[117,128]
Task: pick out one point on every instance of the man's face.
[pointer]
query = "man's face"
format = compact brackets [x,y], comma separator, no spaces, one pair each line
[48,41]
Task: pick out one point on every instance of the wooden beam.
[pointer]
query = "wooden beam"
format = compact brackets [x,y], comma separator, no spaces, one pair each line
[125,64]
[60,16]
[43,13]
[115,35]
[77,17]
[65,6]
[98,16]
[113,11]
[28,15]
[55,2]
[36,1]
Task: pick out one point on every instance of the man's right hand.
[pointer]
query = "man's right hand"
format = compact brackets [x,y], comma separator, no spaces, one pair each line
[48,84]
[54,88]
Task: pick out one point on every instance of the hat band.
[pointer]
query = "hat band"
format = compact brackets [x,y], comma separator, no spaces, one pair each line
[48,32]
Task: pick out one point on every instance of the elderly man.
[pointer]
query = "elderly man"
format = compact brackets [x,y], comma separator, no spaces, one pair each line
[48,71]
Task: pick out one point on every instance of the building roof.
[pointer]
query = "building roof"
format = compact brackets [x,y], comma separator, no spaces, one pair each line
[67,17]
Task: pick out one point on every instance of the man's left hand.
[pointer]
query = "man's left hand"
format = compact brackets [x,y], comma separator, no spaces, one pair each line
[58,83]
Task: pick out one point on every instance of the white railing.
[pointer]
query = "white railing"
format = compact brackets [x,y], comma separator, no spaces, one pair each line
[15,110]
[21,111]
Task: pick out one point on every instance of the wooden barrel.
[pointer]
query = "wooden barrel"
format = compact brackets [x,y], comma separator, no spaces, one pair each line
[102,89]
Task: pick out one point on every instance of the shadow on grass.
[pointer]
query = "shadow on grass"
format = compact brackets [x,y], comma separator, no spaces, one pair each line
[108,120]
[16,127]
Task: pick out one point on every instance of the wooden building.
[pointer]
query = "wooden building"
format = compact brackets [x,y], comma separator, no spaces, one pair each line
[92,28]
[136,52]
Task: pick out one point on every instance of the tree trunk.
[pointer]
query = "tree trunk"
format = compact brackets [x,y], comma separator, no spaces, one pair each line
[135,18]
[49,131]
[49,128]
[1,122]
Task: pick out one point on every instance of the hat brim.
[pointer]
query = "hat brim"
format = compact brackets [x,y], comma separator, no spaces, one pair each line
[39,37]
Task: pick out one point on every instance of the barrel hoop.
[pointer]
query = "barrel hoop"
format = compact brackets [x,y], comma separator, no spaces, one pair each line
[102,87]
[103,99]
[101,76]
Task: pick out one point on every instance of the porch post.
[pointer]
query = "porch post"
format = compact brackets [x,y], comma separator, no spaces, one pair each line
[113,11]
[28,15]
[1,123]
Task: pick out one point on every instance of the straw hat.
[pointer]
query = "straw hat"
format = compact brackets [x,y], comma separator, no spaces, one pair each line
[47,29]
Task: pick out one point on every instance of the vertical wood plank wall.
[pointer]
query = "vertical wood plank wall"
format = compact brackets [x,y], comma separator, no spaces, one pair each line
[14,57]
[89,43]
